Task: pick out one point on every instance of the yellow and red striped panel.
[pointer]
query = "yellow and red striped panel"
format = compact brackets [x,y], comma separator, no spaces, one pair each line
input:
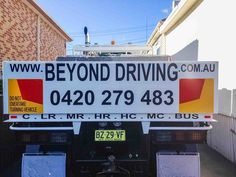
[196,96]
[25,96]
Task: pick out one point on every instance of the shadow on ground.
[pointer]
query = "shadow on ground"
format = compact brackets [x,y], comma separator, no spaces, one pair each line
[214,164]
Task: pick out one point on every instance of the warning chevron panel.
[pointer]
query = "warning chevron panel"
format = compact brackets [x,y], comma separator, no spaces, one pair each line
[196,95]
[25,96]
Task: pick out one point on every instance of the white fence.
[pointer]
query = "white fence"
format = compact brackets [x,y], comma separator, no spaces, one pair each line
[222,137]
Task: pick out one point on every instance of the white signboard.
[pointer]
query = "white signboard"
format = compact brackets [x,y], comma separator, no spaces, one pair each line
[149,117]
[110,87]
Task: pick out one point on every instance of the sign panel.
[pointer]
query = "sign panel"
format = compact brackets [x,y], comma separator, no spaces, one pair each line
[125,117]
[110,87]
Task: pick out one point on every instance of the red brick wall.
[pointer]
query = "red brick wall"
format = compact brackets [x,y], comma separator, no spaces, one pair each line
[52,45]
[18,34]
[18,29]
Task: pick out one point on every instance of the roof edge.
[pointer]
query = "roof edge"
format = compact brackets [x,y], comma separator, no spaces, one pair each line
[184,7]
[49,19]
[175,16]
[155,34]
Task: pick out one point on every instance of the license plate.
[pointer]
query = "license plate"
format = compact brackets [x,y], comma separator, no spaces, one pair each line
[110,135]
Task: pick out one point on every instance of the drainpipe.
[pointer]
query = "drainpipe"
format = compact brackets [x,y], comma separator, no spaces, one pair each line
[38,39]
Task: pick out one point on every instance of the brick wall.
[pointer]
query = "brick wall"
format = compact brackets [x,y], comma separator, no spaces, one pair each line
[18,29]
[21,39]
[52,45]
[19,33]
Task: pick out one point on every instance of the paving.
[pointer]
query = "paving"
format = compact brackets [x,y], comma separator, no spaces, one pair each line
[213,164]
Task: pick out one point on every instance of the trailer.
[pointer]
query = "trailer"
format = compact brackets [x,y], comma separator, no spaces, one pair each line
[110,113]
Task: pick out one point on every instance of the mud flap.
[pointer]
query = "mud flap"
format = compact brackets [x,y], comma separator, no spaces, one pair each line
[43,165]
[181,165]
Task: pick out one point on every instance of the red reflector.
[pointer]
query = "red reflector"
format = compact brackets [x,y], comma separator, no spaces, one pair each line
[13,117]
[207,117]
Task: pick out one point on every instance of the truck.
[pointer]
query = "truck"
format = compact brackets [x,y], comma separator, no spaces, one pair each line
[110,111]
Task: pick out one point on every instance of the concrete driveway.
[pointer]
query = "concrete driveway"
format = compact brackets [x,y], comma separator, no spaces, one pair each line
[214,164]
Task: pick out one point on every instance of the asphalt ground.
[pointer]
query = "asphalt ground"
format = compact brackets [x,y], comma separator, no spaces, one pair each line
[213,164]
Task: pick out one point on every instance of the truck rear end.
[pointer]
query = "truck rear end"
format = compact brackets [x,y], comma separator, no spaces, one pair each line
[110,116]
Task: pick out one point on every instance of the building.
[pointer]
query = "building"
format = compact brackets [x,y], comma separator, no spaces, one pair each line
[28,33]
[200,30]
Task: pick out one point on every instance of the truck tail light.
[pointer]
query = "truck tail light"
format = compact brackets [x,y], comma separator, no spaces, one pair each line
[26,138]
[58,138]
[164,136]
[192,136]
[43,137]
[180,137]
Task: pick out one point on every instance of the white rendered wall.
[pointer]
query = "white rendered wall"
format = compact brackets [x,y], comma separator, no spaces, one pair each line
[212,26]
[179,42]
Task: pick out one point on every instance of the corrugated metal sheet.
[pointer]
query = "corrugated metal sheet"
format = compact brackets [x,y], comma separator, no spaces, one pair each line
[233,139]
[225,101]
[234,103]
[222,137]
